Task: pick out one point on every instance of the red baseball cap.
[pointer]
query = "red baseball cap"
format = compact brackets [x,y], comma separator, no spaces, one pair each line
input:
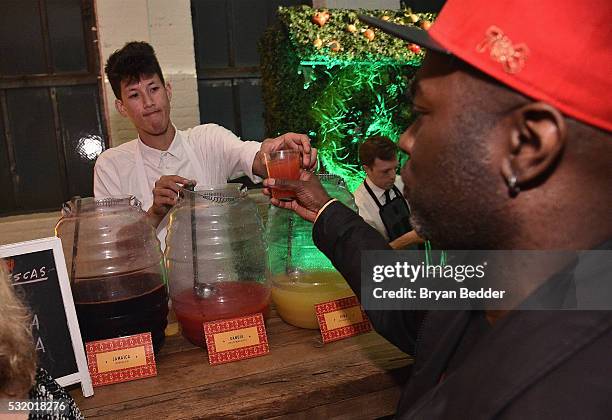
[555,52]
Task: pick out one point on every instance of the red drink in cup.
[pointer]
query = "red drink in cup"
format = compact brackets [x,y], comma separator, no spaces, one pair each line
[284,164]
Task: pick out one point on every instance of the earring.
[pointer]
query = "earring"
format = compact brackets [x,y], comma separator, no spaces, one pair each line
[513,188]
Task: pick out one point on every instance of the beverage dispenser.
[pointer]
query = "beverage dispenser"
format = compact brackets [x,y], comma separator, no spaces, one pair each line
[116,268]
[302,276]
[216,258]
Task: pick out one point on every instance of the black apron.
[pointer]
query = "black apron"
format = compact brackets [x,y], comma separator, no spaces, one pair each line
[395,214]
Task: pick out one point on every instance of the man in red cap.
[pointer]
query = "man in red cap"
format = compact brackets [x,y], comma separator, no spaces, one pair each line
[513,141]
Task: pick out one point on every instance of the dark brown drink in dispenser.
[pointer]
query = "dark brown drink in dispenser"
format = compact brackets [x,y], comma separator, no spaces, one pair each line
[102,317]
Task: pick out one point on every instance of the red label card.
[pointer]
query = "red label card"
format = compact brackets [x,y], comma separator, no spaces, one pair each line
[341,318]
[234,339]
[120,359]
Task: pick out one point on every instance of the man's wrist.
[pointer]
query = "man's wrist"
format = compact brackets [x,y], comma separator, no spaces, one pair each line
[153,217]
[259,165]
[322,209]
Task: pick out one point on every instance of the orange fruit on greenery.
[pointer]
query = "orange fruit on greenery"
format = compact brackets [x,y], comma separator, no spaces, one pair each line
[426,25]
[320,18]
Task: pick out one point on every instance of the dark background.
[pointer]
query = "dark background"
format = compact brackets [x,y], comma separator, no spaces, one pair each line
[44,299]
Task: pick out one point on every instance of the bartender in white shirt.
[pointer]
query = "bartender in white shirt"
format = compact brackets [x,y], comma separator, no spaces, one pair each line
[162,159]
[379,198]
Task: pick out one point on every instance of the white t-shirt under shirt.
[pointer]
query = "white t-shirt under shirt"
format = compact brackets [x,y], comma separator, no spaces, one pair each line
[368,209]
[221,156]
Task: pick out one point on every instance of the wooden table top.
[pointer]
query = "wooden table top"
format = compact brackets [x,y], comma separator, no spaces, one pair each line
[359,377]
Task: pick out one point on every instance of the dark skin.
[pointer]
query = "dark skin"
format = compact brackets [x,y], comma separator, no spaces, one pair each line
[471,137]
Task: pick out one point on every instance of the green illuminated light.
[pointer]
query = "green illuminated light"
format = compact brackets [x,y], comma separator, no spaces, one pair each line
[340,98]
[359,100]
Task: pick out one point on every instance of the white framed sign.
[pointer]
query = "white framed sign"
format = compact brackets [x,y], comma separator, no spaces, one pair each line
[38,274]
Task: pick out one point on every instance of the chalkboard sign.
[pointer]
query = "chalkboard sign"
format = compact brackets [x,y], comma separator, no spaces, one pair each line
[37,270]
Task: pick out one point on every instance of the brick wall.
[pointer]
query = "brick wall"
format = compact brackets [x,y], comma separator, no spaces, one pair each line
[167,26]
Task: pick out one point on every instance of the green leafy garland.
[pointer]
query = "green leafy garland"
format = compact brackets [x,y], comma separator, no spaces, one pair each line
[344,38]
[327,74]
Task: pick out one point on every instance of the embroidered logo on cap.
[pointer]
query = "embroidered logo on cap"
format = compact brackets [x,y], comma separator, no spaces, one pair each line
[512,57]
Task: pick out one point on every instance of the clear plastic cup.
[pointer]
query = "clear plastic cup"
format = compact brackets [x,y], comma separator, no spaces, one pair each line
[284,164]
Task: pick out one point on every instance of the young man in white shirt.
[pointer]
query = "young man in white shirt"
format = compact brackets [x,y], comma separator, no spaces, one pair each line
[162,159]
[379,198]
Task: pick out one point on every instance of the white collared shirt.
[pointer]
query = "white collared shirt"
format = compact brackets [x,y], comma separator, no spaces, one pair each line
[221,156]
[368,209]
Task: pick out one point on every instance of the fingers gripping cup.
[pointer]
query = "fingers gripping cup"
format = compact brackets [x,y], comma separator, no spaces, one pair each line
[284,164]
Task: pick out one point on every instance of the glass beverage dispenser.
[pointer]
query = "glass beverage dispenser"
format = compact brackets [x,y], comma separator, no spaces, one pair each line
[216,258]
[116,268]
[302,276]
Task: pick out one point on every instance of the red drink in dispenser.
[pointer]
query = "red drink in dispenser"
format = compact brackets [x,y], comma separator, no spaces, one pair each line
[216,258]
[229,300]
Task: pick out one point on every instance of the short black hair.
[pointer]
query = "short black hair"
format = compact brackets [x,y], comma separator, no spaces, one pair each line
[135,59]
[380,147]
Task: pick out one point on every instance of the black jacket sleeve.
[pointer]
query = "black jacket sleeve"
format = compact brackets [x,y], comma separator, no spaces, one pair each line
[341,234]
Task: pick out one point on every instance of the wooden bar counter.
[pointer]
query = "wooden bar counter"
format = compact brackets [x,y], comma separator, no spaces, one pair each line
[355,378]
